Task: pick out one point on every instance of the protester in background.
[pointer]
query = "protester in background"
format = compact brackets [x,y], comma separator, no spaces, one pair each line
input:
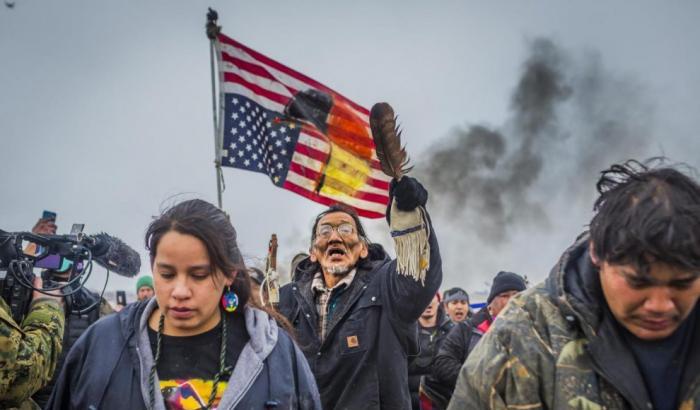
[355,315]
[457,304]
[505,285]
[144,288]
[197,343]
[295,262]
[466,334]
[616,323]
[433,325]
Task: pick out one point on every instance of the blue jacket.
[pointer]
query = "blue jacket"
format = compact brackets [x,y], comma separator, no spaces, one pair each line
[363,361]
[108,367]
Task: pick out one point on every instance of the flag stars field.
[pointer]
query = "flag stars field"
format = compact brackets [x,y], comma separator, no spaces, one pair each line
[256,130]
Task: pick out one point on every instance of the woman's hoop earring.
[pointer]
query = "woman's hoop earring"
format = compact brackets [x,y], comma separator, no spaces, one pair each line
[229,300]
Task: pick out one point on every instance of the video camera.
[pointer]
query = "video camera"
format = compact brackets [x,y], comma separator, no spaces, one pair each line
[71,255]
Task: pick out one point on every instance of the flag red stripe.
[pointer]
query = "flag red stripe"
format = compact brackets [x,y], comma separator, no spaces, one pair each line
[311,174]
[378,183]
[302,170]
[327,201]
[256,69]
[349,135]
[322,157]
[299,76]
[311,153]
[273,96]
[313,132]
[262,72]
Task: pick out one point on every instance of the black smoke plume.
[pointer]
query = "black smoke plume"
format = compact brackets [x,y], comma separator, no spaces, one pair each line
[569,119]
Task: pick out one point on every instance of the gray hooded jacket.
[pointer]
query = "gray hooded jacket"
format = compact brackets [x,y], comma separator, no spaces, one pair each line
[109,365]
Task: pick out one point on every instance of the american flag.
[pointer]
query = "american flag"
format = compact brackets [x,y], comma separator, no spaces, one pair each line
[306,137]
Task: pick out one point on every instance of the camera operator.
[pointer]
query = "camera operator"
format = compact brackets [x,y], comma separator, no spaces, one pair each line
[75,322]
[29,351]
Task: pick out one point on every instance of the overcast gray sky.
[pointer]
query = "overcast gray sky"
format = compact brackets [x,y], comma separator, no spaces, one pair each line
[105,109]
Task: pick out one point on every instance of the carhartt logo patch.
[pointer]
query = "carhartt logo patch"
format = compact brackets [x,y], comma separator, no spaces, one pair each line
[352,341]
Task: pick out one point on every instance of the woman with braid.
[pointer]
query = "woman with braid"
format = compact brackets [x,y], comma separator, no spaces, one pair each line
[199,344]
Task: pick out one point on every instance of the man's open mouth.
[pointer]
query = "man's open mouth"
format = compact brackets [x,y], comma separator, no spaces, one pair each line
[336,251]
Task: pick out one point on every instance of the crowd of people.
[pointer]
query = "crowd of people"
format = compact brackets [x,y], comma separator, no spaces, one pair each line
[613,326]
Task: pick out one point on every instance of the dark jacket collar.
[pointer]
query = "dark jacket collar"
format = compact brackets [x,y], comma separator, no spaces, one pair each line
[482,315]
[444,322]
[574,284]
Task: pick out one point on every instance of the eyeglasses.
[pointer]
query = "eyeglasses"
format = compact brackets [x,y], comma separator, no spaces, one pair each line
[345,230]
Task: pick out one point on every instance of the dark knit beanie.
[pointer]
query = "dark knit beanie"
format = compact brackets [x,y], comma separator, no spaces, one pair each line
[504,282]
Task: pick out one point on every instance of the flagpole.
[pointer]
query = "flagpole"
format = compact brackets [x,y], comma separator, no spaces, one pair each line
[212,32]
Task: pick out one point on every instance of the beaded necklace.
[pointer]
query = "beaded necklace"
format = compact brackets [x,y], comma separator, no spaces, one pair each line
[223,369]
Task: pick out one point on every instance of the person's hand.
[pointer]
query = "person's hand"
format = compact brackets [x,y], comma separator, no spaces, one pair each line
[45,227]
[54,294]
[409,193]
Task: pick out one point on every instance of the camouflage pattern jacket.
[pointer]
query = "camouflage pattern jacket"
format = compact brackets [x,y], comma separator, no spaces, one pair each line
[75,325]
[554,347]
[28,352]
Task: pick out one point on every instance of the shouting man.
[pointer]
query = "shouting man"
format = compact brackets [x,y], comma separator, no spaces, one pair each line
[355,312]
[457,304]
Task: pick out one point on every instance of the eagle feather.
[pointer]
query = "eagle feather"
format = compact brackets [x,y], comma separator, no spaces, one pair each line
[387,140]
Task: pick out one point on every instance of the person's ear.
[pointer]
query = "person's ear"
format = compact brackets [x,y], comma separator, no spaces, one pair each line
[364,251]
[591,251]
[312,256]
[229,281]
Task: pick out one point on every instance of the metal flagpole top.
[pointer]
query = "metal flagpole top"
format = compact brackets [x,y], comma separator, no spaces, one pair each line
[213,29]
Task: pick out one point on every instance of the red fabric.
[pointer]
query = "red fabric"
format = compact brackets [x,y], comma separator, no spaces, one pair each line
[297,75]
[424,401]
[309,166]
[484,326]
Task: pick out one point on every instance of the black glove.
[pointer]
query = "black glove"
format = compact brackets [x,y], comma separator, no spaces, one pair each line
[409,193]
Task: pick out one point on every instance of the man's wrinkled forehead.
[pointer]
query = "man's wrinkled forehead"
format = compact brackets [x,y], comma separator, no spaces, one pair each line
[335,218]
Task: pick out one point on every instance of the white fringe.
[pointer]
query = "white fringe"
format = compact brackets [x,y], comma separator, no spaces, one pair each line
[412,248]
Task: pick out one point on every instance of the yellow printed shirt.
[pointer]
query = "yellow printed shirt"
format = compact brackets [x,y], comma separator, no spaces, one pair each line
[188,365]
[190,394]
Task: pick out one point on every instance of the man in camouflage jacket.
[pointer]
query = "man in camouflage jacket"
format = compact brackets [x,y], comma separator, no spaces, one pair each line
[615,325]
[28,352]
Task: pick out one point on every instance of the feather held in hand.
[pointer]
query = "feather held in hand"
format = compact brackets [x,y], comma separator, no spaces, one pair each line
[387,140]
